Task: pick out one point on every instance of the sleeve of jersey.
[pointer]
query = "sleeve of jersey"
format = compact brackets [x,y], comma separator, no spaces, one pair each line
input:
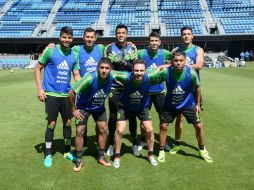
[141,54]
[76,66]
[102,49]
[75,48]
[166,55]
[83,83]
[45,56]
[156,76]
[120,76]
[194,78]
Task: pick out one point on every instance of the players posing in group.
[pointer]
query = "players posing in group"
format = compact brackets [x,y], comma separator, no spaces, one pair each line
[92,92]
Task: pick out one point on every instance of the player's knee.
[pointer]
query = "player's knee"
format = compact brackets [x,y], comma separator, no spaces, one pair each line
[68,122]
[51,124]
[198,126]
[80,131]
[164,126]
[119,132]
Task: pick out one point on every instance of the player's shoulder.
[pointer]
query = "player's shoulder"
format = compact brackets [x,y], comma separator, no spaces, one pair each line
[131,44]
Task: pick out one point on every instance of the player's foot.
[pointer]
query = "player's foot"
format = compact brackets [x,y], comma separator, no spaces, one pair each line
[174,149]
[110,151]
[104,162]
[135,150]
[70,156]
[152,160]
[161,157]
[141,146]
[116,163]
[167,148]
[48,161]
[205,155]
[78,166]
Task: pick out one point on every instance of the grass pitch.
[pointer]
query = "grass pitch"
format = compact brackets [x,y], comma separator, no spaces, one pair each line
[228,119]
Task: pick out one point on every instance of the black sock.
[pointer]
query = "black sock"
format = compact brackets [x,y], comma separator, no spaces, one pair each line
[47,151]
[177,142]
[79,154]
[117,155]
[201,147]
[101,153]
[150,153]
[162,147]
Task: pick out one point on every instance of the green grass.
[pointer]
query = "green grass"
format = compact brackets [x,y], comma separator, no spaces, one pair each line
[228,119]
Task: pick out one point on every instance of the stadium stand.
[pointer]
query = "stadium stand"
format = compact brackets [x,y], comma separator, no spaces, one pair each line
[235,15]
[133,13]
[23,16]
[30,18]
[77,14]
[178,13]
[14,61]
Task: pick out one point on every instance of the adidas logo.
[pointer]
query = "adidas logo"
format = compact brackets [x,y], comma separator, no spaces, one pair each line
[136,95]
[91,62]
[100,94]
[63,66]
[152,66]
[189,61]
[178,90]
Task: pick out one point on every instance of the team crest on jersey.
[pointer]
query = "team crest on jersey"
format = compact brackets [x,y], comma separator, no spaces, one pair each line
[189,61]
[63,66]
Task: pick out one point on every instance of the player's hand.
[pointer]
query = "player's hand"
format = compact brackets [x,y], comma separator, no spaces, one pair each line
[51,45]
[119,83]
[198,109]
[77,114]
[41,95]
[113,58]
[131,56]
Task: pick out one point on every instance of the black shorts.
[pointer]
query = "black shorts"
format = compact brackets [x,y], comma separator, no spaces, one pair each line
[124,114]
[190,114]
[158,101]
[113,100]
[98,116]
[55,105]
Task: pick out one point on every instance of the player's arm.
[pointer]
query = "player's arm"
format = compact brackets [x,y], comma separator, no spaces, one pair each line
[102,49]
[199,59]
[37,72]
[120,77]
[76,112]
[197,87]
[156,76]
[76,68]
[78,87]
[166,58]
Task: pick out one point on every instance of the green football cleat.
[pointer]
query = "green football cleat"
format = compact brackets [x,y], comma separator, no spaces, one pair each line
[48,161]
[70,156]
[161,157]
[174,149]
[205,155]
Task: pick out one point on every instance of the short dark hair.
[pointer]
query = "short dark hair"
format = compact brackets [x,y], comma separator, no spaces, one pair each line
[121,26]
[139,61]
[178,52]
[186,28]
[66,30]
[89,29]
[105,60]
[154,34]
